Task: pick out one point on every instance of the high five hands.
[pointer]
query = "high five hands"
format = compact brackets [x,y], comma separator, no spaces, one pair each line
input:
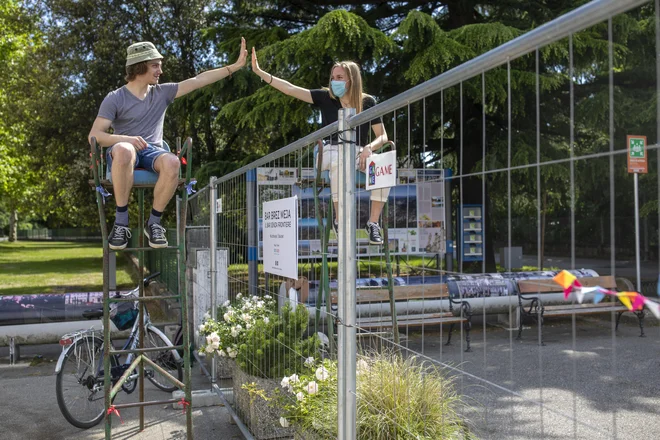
[242,56]
[256,69]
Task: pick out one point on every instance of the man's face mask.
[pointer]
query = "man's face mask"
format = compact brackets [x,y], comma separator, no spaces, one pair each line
[338,88]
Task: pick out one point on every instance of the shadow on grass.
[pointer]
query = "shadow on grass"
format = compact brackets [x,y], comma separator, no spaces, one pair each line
[70,265]
[33,247]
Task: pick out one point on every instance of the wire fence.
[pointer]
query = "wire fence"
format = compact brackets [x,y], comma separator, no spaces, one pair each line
[511,168]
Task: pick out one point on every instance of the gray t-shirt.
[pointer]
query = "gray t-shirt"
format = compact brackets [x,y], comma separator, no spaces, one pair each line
[131,116]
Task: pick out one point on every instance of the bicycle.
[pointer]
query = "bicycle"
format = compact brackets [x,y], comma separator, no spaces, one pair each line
[80,375]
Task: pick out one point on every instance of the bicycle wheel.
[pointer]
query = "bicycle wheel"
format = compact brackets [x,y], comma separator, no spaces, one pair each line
[164,359]
[79,389]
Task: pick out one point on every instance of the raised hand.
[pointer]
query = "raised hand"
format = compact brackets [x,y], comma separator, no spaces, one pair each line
[242,56]
[255,64]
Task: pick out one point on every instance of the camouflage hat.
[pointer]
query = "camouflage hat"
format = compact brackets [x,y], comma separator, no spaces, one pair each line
[142,51]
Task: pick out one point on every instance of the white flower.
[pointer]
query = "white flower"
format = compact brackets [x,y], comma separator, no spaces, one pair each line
[209,349]
[207,316]
[234,332]
[322,373]
[294,378]
[226,303]
[309,361]
[300,396]
[285,382]
[201,327]
[246,317]
[239,327]
[239,295]
[215,345]
[222,353]
[284,422]
[209,340]
[226,316]
[312,388]
[260,304]
[215,337]
[232,353]
[266,320]
[268,297]
[248,326]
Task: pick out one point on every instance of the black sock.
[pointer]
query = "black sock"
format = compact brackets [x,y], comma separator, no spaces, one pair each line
[121,215]
[154,217]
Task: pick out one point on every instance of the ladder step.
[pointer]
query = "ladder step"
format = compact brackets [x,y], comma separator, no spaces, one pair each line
[143,249]
[147,350]
[152,402]
[144,298]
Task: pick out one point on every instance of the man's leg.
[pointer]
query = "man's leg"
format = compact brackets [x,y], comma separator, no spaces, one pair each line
[167,166]
[121,168]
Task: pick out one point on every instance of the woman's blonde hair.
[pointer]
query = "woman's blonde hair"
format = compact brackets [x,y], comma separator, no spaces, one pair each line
[354,91]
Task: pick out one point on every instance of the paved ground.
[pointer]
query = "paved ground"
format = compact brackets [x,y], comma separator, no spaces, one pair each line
[591,386]
[29,407]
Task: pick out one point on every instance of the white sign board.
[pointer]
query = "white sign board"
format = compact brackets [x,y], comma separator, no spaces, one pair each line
[381,170]
[218,206]
[280,232]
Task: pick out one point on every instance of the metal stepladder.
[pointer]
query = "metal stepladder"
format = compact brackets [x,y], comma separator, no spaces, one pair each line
[144,180]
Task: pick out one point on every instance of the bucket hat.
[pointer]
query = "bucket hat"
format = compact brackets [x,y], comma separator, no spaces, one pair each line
[142,51]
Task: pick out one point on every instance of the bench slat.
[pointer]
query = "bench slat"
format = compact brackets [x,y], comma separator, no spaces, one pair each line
[548,285]
[411,323]
[584,310]
[401,318]
[401,293]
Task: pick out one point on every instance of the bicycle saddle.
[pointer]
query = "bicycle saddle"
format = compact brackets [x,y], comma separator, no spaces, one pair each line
[93,314]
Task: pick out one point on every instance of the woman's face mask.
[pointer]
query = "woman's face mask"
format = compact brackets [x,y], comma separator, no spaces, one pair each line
[338,88]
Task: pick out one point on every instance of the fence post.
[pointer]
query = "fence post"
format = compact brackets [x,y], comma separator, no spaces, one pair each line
[253,230]
[346,332]
[213,243]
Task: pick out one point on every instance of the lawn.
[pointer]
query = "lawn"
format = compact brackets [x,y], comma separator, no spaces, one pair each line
[30,267]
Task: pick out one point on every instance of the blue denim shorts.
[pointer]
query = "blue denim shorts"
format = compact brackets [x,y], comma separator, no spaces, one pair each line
[144,158]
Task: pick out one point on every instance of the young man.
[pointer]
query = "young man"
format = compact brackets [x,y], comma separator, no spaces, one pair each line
[136,113]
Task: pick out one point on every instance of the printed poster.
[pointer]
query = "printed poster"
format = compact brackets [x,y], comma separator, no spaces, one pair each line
[280,237]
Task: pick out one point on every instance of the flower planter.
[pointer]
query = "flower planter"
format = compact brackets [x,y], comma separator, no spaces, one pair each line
[224,367]
[308,435]
[261,418]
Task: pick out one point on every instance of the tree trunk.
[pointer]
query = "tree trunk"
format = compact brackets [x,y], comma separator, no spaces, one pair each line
[13,225]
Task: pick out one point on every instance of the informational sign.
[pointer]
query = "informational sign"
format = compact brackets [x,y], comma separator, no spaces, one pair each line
[417,209]
[218,206]
[280,237]
[381,171]
[637,157]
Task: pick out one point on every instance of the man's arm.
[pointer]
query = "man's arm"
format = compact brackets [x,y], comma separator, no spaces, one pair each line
[211,76]
[103,138]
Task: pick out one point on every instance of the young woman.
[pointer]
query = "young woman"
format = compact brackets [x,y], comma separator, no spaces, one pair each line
[345,90]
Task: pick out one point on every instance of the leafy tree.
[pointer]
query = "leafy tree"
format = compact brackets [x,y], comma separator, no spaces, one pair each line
[17,178]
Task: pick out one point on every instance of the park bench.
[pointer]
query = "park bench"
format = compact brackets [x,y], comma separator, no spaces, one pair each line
[461,314]
[533,291]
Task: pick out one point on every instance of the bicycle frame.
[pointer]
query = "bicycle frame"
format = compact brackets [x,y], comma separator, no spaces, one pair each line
[131,342]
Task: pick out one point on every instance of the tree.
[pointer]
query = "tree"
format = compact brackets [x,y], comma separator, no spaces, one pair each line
[17,40]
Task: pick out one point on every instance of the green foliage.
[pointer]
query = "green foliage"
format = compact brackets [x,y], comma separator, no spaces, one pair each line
[278,346]
[396,398]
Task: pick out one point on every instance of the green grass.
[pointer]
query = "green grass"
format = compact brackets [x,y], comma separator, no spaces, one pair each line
[55,267]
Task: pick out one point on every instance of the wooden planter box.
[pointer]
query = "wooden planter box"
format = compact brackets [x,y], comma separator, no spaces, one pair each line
[261,417]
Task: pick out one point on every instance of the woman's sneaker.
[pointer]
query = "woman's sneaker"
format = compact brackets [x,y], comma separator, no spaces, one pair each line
[118,238]
[374,233]
[156,235]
